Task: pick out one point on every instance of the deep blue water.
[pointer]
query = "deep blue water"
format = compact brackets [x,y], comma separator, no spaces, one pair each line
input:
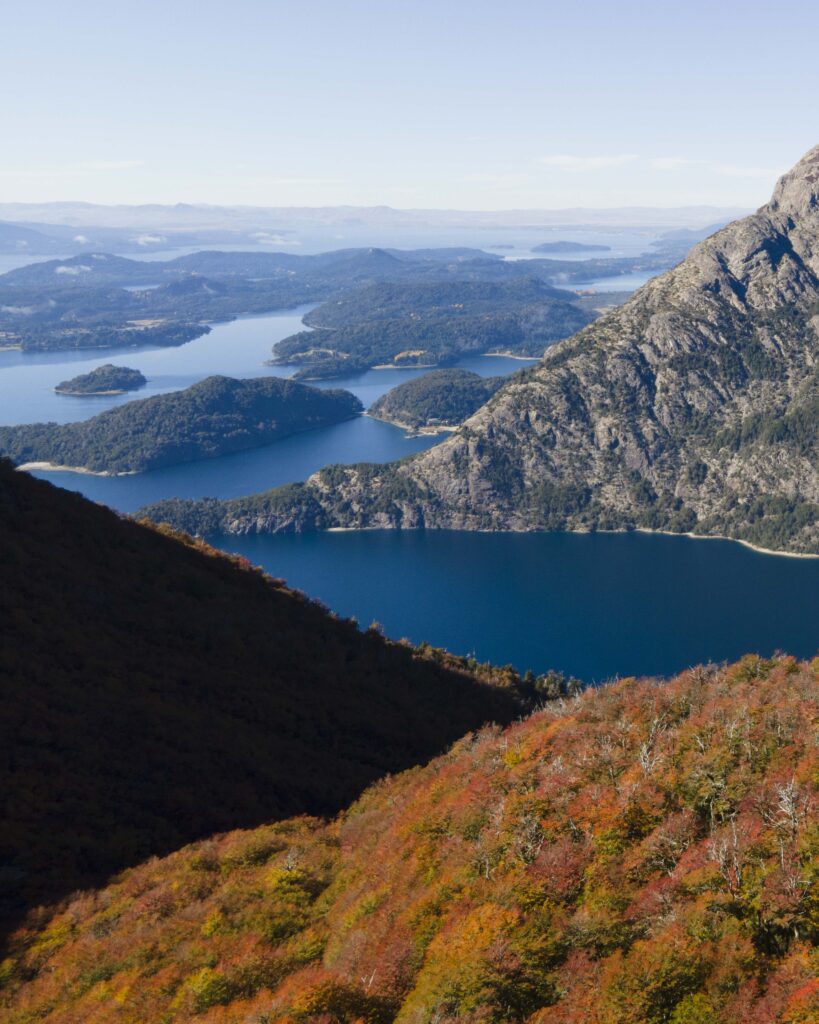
[595,605]
[293,458]
[592,605]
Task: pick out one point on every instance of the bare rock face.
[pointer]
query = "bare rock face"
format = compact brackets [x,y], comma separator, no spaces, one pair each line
[692,407]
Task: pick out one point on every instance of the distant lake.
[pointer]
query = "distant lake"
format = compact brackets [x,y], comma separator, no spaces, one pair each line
[594,605]
[237,349]
[620,283]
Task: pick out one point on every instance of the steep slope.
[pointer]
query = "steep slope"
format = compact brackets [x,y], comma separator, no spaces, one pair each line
[643,854]
[154,691]
[216,416]
[694,406]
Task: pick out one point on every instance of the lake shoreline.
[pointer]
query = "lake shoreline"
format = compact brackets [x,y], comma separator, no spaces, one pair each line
[90,394]
[412,431]
[50,467]
[715,536]
[511,355]
[586,533]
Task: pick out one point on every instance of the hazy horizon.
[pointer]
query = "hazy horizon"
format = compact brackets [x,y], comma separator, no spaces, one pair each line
[445,106]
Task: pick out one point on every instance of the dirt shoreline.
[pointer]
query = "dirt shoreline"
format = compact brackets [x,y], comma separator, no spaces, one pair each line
[50,467]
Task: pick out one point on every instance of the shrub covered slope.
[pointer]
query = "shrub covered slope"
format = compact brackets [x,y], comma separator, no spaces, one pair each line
[155,691]
[642,854]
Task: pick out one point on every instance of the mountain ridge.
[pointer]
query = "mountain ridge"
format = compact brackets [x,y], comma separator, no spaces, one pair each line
[691,408]
[155,690]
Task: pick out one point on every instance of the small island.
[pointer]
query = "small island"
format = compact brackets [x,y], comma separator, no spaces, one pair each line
[435,402]
[214,417]
[104,380]
[569,247]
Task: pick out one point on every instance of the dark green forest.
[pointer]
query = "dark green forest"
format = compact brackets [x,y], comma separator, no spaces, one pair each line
[431,324]
[438,398]
[213,417]
[103,380]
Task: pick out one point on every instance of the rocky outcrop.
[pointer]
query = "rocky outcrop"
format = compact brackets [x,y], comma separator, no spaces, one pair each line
[692,407]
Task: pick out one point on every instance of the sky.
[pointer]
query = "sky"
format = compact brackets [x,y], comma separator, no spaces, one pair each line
[463,104]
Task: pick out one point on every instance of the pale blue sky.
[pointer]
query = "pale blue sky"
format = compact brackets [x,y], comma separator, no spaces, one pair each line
[452,103]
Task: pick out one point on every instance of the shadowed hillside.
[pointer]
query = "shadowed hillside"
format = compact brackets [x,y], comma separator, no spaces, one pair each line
[643,854]
[155,691]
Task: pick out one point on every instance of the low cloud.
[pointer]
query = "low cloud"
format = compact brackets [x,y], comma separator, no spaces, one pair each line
[73,271]
[675,163]
[267,238]
[670,163]
[658,163]
[287,182]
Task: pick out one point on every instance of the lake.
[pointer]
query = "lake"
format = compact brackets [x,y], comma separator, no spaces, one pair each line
[593,605]
[238,349]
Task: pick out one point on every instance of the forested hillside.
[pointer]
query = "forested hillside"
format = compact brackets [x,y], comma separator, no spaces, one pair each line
[431,324]
[435,399]
[213,417]
[641,854]
[98,300]
[155,691]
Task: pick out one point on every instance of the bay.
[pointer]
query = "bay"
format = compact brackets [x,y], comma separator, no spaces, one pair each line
[592,605]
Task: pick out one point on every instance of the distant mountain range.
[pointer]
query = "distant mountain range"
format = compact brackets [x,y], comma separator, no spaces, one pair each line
[185,217]
[692,407]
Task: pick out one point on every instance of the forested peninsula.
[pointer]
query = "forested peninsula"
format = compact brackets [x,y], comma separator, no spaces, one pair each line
[214,417]
[438,400]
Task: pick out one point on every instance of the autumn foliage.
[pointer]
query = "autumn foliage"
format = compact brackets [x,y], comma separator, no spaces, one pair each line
[154,691]
[640,854]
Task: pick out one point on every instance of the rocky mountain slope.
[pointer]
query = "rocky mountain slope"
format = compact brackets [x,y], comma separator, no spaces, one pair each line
[692,407]
[155,691]
[642,854]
